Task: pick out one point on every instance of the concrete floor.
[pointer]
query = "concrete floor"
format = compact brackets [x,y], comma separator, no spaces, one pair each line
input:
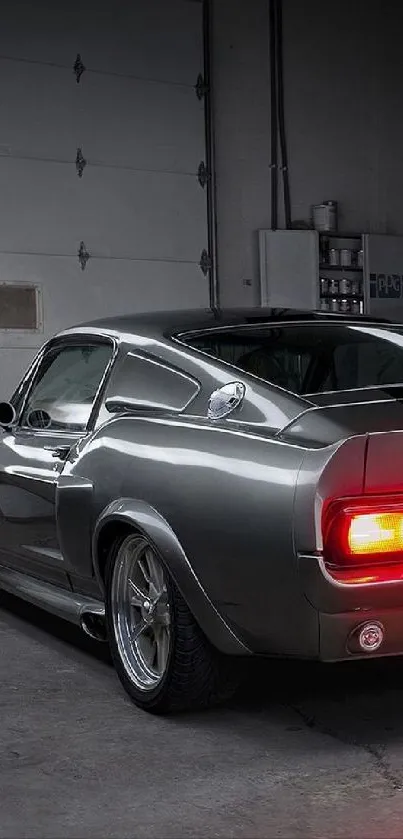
[312,751]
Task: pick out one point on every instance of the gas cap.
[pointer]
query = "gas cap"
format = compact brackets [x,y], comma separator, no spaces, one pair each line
[224,400]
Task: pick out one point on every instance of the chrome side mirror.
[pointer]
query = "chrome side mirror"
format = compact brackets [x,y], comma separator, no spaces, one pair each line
[7,414]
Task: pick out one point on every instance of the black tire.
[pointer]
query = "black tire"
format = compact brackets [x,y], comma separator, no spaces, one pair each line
[196,676]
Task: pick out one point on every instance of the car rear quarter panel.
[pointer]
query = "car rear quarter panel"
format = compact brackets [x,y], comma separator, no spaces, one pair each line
[227,493]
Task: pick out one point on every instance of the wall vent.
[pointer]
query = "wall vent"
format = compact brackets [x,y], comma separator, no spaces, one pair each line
[18,307]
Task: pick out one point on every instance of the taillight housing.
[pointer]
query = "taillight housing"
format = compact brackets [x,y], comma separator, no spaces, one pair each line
[363,539]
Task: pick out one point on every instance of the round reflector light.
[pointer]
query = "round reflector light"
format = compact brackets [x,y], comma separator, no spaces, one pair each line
[371,637]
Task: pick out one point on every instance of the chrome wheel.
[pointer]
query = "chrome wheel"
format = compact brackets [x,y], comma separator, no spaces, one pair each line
[140,612]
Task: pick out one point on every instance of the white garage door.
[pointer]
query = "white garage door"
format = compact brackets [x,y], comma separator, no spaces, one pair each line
[130,114]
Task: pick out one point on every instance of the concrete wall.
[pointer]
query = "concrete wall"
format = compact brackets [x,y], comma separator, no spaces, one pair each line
[344,116]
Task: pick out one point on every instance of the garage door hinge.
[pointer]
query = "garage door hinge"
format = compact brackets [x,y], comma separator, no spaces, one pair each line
[203,174]
[80,162]
[200,87]
[205,262]
[78,68]
[83,255]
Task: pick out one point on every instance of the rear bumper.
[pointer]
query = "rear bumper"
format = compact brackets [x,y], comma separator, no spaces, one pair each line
[336,632]
[342,609]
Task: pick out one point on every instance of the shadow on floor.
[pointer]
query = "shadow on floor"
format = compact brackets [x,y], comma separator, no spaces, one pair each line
[359,703]
[49,629]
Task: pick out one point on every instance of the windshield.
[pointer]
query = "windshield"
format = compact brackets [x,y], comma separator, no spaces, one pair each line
[308,358]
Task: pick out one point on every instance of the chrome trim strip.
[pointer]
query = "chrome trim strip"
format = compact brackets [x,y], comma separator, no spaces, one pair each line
[348,586]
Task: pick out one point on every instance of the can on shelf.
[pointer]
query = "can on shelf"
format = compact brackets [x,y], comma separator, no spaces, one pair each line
[334,305]
[356,307]
[333,286]
[345,286]
[334,256]
[344,305]
[355,287]
[325,305]
[324,286]
[346,257]
[360,258]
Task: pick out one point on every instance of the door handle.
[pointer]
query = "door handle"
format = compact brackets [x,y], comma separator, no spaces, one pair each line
[61,452]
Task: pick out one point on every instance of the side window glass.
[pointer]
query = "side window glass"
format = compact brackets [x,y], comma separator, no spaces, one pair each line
[283,366]
[271,359]
[66,387]
[147,383]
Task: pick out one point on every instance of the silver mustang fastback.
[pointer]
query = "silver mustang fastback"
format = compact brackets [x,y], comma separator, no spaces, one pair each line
[201,487]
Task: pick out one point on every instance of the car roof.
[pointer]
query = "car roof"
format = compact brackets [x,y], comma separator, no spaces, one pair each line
[160,325]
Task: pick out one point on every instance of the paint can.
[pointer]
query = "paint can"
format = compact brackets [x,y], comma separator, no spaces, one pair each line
[345,286]
[355,288]
[324,216]
[333,286]
[334,257]
[346,257]
[324,286]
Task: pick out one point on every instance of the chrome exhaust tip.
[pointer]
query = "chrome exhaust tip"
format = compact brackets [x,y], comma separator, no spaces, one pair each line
[93,625]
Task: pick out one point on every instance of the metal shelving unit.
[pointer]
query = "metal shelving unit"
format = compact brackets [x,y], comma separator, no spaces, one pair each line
[341,272]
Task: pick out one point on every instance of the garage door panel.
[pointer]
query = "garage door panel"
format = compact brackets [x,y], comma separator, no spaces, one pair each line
[159,127]
[39,206]
[143,215]
[117,287]
[42,107]
[106,287]
[46,209]
[154,39]
[121,287]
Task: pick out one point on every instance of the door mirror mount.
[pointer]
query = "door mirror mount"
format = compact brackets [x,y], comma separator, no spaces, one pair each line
[8,415]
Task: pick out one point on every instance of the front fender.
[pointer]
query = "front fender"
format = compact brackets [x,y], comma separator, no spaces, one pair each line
[144,518]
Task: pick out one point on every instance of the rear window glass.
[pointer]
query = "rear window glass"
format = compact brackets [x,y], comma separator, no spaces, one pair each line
[311,358]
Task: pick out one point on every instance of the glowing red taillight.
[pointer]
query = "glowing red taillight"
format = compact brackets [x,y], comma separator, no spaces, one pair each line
[363,539]
[372,533]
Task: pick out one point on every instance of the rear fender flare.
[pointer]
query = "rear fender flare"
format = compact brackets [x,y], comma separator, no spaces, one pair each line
[144,518]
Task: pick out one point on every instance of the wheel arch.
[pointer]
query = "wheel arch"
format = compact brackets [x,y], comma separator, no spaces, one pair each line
[127,514]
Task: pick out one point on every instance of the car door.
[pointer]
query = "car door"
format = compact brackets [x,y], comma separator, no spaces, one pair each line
[55,414]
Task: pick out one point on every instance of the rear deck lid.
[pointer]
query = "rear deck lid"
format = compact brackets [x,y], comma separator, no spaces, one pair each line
[324,425]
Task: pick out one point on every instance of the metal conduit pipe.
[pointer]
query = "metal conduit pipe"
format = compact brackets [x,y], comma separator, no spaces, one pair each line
[273,115]
[281,117]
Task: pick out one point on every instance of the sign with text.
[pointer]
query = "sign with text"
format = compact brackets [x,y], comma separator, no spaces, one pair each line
[386,286]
